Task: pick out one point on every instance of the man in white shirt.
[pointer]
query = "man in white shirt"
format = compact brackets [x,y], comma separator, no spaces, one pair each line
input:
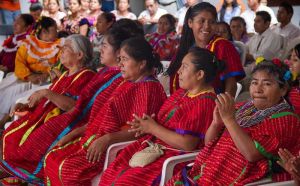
[180,15]
[285,28]
[152,13]
[249,15]
[265,43]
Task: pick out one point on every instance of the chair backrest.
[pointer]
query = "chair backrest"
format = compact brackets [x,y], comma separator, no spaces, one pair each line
[242,49]
[1,75]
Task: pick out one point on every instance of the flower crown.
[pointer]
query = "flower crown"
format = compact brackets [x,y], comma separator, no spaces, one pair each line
[287,75]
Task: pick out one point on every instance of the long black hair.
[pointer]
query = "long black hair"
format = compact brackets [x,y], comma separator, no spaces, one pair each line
[205,60]
[224,6]
[187,39]
[44,23]
[140,50]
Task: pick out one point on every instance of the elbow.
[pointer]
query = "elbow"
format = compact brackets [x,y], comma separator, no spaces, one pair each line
[188,146]
[252,157]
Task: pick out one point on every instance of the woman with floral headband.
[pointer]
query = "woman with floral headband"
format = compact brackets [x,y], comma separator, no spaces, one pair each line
[34,58]
[243,141]
[294,95]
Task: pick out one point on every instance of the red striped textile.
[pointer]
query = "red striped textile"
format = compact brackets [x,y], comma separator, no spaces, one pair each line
[221,163]
[294,98]
[224,51]
[192,115]
[68,165]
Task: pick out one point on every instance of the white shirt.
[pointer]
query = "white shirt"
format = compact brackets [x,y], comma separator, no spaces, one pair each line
[180,15]
[267,45]
[289,31]
[145,14]
[130,15]
[249,16]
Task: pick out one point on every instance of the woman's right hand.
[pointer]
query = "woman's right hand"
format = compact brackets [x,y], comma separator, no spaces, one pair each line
[19,107]
[66,139]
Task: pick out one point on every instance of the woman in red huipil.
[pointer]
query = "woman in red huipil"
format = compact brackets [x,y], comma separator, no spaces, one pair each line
[294,94]
[77,162]
[21,26]
[198,30]
[90,101]
[246,151]
[43,105]
[180,126]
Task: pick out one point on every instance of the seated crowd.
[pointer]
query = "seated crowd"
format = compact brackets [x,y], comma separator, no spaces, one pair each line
[74,83]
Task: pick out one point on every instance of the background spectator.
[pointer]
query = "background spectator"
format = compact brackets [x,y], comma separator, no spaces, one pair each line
[9,10]
[54,13]
[230,8]
[238,29]
[36,9]
[123,10]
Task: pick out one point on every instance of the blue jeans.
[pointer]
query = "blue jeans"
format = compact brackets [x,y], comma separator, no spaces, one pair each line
[8,17]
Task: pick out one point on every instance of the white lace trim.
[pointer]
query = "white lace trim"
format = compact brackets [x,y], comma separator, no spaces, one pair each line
[15,42]
[53,47]
[44,57]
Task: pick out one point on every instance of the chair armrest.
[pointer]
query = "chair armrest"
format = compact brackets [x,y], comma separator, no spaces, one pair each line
[170,163]
[112,151]
[259,182]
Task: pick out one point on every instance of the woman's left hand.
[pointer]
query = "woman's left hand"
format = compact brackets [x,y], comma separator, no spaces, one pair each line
[36,97]
[96,149]
[142,125]
[290,162]
[225,104]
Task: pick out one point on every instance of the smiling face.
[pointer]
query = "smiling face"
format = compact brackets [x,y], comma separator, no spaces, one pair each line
[188,75]
[202,26]
[19,26]
[131,69]
[265,90]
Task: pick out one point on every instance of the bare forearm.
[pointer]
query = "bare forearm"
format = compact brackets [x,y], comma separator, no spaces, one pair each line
[120,136]
[178,141]
[63,102]
[230,86]
[243,142]
[212,133]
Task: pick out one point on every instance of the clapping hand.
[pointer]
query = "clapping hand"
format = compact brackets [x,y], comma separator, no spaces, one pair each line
[290,163]
[225,107]
[142,125]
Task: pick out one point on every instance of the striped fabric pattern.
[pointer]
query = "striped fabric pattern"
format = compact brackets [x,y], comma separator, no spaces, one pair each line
[69,166]
[191,114]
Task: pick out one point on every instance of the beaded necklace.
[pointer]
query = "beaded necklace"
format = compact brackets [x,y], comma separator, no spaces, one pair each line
[248,115]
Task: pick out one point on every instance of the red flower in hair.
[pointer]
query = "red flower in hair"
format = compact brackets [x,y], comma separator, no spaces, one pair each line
[277,62]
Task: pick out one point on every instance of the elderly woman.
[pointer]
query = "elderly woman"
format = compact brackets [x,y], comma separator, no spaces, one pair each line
[165,41]
[246,150]
[78,162]
[45,104]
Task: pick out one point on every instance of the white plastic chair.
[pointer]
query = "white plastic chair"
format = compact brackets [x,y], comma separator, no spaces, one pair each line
[290,46]
[243,50]
[239,88]
[167,169]
[1,75]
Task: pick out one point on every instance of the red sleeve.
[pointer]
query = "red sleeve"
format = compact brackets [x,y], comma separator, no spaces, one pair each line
[196,120]
[280,131]
[294,98]
[226,52]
